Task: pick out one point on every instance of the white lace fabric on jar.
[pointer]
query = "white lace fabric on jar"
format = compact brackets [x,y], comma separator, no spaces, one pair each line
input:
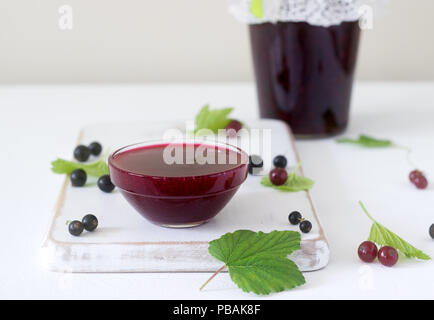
[315,12]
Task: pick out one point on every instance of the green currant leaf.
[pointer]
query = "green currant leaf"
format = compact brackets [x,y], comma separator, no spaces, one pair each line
[256,8]
[264,276]
[258,262]
[294,183]
[245,243]
[95,169]
[212,119]
[384,237]
[368,142]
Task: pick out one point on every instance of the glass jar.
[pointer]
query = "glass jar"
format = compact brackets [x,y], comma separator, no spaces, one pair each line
[304,74]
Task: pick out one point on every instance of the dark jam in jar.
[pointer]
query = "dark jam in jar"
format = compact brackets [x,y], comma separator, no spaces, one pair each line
[304,74]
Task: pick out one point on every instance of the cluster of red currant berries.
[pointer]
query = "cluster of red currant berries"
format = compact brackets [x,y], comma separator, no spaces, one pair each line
[387,255]
[418,179]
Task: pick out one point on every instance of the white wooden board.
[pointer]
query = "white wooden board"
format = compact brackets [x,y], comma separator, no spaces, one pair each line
[126,242]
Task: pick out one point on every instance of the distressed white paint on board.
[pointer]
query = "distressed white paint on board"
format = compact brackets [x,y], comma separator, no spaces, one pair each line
[125,242]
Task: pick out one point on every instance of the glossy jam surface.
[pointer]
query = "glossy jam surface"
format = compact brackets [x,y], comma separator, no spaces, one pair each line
[177,160]
[304,74]
[185,185]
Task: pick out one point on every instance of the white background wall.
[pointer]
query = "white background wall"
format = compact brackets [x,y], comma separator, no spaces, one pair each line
[180,40]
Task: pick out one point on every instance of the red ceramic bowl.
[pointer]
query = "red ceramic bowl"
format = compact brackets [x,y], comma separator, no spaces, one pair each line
[177,195]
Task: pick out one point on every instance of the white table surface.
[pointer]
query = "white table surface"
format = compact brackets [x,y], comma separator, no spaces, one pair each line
[40,123]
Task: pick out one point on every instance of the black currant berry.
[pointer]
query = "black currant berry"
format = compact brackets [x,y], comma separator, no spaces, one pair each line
[105,184]
[431,231]
[280,161]
[90,222]
[95,148]
[78,178]
[82,153]
[75,228]
[305,226]
[294,217]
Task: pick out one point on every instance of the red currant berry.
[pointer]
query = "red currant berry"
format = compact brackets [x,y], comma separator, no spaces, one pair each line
[233,127]
[414,174]
[278,176]
[421,182]
[367,251]
[388,256]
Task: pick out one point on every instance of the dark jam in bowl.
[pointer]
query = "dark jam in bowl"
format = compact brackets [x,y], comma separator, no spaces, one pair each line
[304,74]
[187,189]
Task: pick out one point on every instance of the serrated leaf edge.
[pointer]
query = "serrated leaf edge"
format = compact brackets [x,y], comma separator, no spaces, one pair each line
[402,243]
[298,277]
[282,257]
